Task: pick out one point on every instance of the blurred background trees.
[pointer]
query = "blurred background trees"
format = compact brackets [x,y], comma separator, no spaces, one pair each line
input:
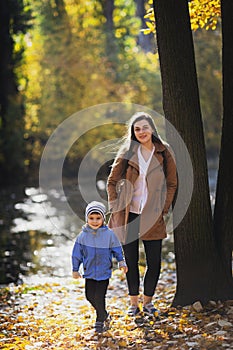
[60,56]
[15,22]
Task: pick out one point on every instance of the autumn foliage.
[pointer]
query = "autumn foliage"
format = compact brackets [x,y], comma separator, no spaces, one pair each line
[203,14]
[55,315]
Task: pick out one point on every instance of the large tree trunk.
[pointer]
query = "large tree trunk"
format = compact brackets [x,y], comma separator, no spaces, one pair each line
[199,274]
[223,218]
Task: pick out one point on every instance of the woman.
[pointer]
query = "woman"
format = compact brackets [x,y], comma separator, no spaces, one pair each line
[141,188]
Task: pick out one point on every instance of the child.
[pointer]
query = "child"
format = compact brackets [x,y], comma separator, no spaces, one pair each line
[95,247]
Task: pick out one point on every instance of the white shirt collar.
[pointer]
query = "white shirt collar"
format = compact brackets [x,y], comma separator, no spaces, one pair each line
[143,164]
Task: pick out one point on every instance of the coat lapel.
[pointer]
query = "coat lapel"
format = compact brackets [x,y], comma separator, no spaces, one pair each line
[157,159]
[133,161]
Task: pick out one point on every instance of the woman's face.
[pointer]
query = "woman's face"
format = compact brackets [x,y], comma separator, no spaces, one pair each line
[143,132]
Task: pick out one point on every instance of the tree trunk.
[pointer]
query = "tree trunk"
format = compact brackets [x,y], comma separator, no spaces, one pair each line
[199,274]
[11,106]
[108,8]
[7,83]
[223,218]
[111,47]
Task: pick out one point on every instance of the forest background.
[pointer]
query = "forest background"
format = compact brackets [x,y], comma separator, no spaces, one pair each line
[61,56]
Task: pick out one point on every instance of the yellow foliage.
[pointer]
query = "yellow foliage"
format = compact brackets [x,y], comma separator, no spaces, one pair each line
[203,14]
[54,316]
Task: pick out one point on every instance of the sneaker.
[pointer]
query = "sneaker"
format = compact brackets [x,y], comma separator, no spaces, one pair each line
[107,322]
[99,327]
[133,310]
[150,310]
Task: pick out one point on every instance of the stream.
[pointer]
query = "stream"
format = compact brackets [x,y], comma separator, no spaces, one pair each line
[37,232]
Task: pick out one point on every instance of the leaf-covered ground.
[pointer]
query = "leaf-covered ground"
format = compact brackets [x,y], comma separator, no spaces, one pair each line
[55,315]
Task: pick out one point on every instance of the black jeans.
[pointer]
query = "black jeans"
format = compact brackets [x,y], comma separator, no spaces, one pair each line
[95,293]
[153,259]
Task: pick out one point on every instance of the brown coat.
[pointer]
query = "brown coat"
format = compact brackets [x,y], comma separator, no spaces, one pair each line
[160,193]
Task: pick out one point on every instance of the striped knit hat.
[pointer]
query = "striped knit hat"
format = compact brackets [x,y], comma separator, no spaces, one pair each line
[95,207]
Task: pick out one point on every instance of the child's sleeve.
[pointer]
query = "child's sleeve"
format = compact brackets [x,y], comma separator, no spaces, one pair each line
[77,256]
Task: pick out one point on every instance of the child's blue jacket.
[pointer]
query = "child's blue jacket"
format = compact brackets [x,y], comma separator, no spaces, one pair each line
[95,250]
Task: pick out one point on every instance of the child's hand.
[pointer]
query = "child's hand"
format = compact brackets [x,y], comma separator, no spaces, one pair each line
[122,266]
[76,274]
[124,269]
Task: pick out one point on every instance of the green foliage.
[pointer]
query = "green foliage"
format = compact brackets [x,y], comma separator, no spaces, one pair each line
[70,66]
[74,59]
[12,143]
[20,13]
[15,22]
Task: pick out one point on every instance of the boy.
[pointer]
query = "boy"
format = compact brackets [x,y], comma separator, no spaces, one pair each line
[95,247]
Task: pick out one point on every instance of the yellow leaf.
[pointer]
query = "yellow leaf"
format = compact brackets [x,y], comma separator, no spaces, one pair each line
[20,319]
[146,31]
[122,343]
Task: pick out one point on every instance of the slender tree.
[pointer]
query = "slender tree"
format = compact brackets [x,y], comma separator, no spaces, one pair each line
[200,274]
[111,48]
[223,218]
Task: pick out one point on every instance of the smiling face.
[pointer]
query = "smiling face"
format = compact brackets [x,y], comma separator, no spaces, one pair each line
[95,220]
[143,132]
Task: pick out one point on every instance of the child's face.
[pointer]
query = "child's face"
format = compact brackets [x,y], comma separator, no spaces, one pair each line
[95,220]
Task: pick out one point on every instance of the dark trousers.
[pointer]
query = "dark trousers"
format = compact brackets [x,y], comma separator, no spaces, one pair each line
[153,259]
[95,292]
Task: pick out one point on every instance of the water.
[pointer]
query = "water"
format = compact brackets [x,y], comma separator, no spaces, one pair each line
[38,229]
[35,236]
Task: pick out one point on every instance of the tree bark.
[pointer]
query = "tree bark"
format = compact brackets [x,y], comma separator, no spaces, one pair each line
[223,218]
[199,274]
